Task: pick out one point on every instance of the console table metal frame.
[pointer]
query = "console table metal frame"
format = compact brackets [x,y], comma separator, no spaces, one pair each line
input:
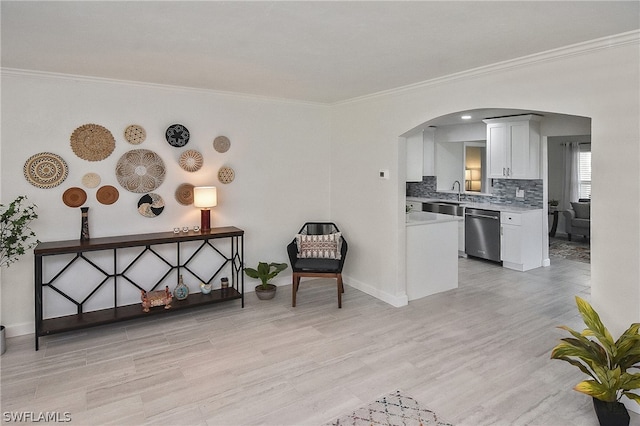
[119,313]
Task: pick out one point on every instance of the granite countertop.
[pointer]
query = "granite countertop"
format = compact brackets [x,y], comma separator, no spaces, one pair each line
[485,206]
[428,218]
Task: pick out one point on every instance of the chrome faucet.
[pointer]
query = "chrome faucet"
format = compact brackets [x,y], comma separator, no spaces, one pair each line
[454,187]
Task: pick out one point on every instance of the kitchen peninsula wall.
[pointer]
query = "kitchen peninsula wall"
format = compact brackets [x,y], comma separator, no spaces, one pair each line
[503,192]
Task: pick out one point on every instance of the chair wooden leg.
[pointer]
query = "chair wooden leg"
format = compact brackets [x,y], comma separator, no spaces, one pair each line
[340,290]
[294,289]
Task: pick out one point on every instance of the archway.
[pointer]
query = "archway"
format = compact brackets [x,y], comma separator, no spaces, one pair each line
[467,128]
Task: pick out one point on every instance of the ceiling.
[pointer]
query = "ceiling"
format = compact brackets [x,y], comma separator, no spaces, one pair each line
[317,51]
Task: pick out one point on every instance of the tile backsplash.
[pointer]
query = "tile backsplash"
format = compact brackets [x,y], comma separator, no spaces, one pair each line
[503,192]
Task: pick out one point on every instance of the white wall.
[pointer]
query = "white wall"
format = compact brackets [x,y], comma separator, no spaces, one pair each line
[279,150]
[602,84]
[286,172]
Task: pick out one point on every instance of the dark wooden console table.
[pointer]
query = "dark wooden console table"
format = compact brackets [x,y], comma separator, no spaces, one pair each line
[119,274]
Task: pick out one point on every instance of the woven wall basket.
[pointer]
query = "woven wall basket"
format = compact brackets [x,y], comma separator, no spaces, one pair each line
[140,170]
[184,194]
[92,142]
[45,170]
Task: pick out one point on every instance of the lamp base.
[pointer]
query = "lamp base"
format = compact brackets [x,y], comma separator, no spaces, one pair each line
[205,220]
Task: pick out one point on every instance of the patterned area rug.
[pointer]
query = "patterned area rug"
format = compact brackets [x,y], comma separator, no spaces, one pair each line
[572,250]
[394,409]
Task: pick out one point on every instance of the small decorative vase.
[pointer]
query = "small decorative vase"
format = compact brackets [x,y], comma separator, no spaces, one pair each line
[224,283]
[611,413]
[205,288]
[84,230]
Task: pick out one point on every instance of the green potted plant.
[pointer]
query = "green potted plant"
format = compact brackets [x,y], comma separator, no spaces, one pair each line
[265,272]
[606,361]
[14,237]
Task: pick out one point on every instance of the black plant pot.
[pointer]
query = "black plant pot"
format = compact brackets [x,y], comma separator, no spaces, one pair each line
[611,413]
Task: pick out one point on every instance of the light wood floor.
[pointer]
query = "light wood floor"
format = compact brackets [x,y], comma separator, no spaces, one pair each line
[478,355]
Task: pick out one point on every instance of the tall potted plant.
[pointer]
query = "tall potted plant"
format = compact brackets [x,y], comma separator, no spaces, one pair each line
[265,272]
[606,361]
[15,237]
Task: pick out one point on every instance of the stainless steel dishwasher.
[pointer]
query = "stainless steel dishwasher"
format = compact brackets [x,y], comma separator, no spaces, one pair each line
[482,233]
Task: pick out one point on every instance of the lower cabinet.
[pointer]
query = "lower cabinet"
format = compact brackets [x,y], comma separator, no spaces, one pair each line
[521,240]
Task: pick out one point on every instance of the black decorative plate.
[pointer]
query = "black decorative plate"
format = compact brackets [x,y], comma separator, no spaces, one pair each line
[177,135]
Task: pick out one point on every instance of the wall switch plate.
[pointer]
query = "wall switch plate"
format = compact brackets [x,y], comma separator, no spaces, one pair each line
[383,174]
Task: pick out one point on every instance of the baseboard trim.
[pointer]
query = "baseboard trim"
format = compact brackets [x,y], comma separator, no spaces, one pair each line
[395,301]
[20,329]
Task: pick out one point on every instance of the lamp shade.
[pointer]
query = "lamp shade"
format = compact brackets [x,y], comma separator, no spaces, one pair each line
[205,197]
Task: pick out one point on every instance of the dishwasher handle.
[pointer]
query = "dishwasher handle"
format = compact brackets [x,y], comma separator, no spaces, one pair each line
[483,216]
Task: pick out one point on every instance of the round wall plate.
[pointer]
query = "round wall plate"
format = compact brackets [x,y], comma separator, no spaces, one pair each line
[140,170]
[221,144]
[177,135]
[226,174]
[92,142]
[91,180]
[45,170]
[107,194]
[135,134]
[150,205]
[74,197]
[191,160]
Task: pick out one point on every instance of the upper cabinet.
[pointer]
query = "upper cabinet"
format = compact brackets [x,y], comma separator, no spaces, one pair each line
[513,147]
[420,155]
[415,157]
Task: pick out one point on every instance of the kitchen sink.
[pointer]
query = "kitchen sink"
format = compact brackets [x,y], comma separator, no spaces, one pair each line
[444,207]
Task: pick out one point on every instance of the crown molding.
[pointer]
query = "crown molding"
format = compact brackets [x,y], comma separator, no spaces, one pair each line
[101,80]
[631,37]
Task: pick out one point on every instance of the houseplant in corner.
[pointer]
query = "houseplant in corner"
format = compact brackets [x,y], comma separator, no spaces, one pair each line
[606,361]
[265,272]
[14,237]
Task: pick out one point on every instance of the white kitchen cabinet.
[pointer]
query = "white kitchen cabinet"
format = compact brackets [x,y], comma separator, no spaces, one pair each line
[432,254]
[415,158]
[429,138]
[521,240]
[513,147]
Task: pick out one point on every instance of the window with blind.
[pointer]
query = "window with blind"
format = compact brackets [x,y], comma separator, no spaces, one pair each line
[584,171]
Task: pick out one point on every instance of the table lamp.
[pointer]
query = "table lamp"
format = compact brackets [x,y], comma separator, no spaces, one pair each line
[205,197]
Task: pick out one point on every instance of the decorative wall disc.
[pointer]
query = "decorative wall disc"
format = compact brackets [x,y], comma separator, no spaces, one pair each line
[226,174]
[74,197]
[221,144]
[150,205]
[177,135]
[140,170]
[45,170]
[135,134]
[92,142]
[91,180]
[107,194]
[191,160]
[184,194]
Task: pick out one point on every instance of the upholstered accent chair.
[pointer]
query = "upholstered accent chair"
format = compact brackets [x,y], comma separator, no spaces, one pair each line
[318,251]
[578,219]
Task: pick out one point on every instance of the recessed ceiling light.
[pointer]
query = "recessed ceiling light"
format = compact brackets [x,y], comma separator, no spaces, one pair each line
[466,117]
